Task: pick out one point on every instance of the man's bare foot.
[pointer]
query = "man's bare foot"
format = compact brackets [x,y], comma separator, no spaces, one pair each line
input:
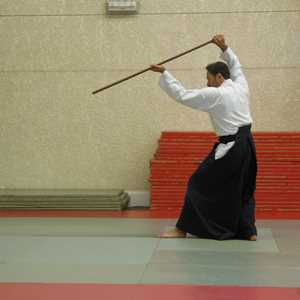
[174,233]
[252,238]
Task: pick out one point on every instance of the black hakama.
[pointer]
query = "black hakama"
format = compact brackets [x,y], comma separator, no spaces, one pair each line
[219,201]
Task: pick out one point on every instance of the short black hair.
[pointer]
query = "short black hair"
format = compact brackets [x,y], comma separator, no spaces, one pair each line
[218,67]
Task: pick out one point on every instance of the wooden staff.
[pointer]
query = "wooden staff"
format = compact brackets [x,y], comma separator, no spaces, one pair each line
[145,70]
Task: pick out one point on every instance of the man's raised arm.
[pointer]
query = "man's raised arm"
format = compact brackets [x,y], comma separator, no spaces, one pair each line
[235,67]
[201,99]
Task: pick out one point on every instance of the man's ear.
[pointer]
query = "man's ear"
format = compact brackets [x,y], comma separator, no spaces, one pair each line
[219,76]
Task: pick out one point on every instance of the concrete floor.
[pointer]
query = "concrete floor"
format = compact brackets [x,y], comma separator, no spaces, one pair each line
[128,251]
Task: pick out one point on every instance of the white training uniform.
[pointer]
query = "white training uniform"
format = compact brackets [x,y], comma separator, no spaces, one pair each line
[228,105]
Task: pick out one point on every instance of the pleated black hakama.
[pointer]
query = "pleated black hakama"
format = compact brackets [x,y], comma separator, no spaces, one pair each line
[219,202]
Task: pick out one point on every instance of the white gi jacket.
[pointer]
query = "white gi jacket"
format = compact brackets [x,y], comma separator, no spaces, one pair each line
[227,105]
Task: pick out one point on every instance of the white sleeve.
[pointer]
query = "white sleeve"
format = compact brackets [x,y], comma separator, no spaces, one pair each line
[235,67]
[201,99]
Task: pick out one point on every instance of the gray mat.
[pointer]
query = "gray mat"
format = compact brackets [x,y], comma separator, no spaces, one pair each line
[64,199]
[59,192]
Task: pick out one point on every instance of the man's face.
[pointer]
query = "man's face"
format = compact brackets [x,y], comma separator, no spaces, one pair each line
[214,81]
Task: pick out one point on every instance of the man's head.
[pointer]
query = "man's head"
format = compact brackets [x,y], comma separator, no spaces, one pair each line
[216,73]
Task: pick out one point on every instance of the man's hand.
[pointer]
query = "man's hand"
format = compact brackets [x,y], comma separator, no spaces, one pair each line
[157,68]
[219,40]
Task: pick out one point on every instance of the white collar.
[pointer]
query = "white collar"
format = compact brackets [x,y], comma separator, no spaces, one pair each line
[226,82]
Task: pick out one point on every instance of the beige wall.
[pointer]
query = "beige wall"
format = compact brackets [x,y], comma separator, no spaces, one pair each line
[55,134]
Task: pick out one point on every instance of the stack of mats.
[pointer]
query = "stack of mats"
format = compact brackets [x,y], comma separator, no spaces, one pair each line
[179,155]
[63,199]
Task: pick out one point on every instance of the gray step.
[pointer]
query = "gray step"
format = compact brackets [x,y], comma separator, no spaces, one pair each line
[61,192]
[64,199]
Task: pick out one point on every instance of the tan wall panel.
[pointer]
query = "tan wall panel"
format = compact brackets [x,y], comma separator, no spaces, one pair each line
[89,43]
[147,6]
[55,134]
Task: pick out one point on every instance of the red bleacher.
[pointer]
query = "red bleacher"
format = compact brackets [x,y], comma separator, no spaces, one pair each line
[278,178]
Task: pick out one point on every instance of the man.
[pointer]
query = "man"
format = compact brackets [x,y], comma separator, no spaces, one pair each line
[219,201]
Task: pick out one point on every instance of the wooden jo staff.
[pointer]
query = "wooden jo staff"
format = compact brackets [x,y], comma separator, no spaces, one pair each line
[145,70]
